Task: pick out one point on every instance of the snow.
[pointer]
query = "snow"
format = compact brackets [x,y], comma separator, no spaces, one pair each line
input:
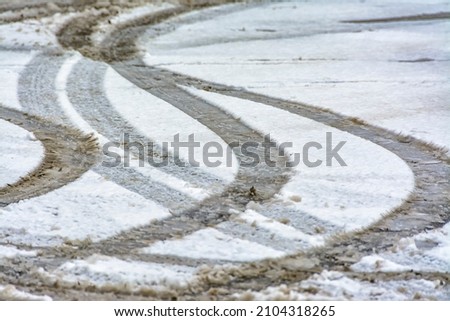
[378,264]
[21,153]
[133,275]
[280,229]
[89,208]
[161,121]
[361,70]
[373,182]
[211,244]
[331,285]
[287,19]
[33,34]
[393,75]
[63,99]
[11,65]
[9,293]
[76,119]
[11,252]
[429,251]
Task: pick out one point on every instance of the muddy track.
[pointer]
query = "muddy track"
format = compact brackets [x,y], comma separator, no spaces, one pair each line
[68,154]
[16,12]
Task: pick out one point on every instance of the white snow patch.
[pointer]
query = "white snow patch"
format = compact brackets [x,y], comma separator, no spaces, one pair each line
[379,264]
[21,153]
[90,207]
[441,237]
[12,63]
[11,251]
[63,99]
[134,275]
[394,75]
[209,243]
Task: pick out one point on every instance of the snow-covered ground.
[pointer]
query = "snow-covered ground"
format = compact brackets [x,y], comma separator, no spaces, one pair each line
[327,192]
[394,75]
[103,271]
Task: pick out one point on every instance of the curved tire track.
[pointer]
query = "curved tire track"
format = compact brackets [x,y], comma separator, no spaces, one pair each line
[215,209]
[68,155]
[429,164]
[38,96]
[101,115]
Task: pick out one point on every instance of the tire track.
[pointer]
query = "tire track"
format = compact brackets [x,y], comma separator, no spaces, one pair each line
[266,180]
[429,164]
[213,210]
[36,87]
[121,45]
[38,96]
[68,155]
[97,110]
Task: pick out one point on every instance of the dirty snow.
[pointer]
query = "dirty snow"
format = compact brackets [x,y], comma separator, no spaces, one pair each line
[11,293]
[280,229]
[331,285]
[132,275]
[125,16]
[429,251]
[75,118]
